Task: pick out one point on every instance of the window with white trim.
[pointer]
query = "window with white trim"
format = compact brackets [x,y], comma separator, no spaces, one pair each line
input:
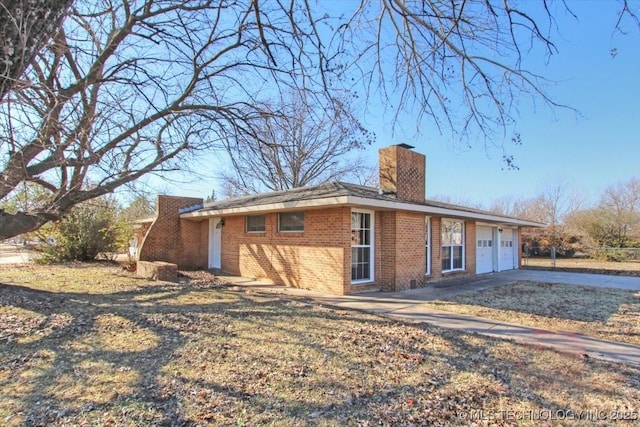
[255,224]
[291,221]
[361,247]
[428,245]
[452,245]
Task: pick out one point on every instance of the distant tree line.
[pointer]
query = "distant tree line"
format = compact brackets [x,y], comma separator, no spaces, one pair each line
[612,222]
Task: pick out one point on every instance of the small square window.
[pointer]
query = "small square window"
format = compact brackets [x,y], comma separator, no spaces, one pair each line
[291,221]
[255,224]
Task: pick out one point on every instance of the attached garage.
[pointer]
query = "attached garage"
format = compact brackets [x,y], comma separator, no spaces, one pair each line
[507,249]
[484,250]
[496,249]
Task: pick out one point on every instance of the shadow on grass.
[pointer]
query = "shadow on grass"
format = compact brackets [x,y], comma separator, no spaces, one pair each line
[185,355]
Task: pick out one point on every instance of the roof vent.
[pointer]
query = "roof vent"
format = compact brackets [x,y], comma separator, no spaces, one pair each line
[382,192]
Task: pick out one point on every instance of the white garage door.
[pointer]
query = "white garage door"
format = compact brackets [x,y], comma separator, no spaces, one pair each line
[484,250]
[507,253]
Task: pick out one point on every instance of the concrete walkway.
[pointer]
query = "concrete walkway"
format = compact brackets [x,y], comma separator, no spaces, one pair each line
[407,305]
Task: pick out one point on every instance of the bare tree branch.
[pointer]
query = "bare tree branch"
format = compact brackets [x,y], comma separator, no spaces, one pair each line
[125,89]
[296,143]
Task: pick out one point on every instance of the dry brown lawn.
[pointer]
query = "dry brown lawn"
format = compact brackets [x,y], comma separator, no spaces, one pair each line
[611,314]
[91,345]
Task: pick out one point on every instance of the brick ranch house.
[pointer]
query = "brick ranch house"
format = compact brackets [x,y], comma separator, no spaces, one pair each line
[337,237]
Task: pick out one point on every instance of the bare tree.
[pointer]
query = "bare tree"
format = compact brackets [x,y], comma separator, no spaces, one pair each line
[615,221]
[509,205]
[26,25]
[125,88]
[299,142]
[460,64]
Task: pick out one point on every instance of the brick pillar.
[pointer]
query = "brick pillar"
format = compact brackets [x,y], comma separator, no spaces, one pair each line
[436,246]
[470,246]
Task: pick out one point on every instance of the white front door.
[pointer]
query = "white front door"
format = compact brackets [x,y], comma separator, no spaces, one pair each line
[484,249]
[215,242]
[506,250]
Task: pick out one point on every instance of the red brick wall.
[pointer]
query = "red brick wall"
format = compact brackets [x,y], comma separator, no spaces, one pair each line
[410,258]
[386,249]
[436,247]
[172,239]
[470,247]
[402,171]
[194,244]
[318,258]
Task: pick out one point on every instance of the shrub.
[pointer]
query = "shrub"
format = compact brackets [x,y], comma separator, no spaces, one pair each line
[92,228]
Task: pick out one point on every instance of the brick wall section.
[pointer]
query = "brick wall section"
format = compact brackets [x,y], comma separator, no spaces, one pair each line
[171,239]
[403,172]
[470,246]
[436,247]
[194,244]
[157,270]
[400,250]
[410,250]
[386,249]
[318,258]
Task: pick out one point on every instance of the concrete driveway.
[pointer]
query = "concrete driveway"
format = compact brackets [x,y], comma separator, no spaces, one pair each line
[449,288]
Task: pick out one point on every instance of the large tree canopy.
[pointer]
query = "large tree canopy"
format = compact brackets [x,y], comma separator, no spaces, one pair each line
[127,88]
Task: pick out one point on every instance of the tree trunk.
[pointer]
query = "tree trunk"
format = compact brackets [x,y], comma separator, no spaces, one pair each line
[12,225]
[26,24]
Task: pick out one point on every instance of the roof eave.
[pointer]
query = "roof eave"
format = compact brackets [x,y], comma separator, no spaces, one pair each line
[446,212]
[268,207]
[359,201]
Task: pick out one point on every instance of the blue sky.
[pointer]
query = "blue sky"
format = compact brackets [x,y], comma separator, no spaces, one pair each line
[593,149]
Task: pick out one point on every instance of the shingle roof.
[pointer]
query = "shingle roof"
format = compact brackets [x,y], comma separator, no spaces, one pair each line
[331,190]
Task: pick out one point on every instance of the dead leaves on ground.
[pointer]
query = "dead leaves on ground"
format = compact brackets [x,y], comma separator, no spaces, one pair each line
[202,353]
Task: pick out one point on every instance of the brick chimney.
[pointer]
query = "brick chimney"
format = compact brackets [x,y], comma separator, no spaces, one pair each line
[402,172]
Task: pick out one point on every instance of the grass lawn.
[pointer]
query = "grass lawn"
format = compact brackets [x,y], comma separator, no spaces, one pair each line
[612,314]
[92,345]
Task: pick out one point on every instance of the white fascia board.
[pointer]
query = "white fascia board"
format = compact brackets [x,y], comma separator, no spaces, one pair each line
[444,212]
[271,207]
